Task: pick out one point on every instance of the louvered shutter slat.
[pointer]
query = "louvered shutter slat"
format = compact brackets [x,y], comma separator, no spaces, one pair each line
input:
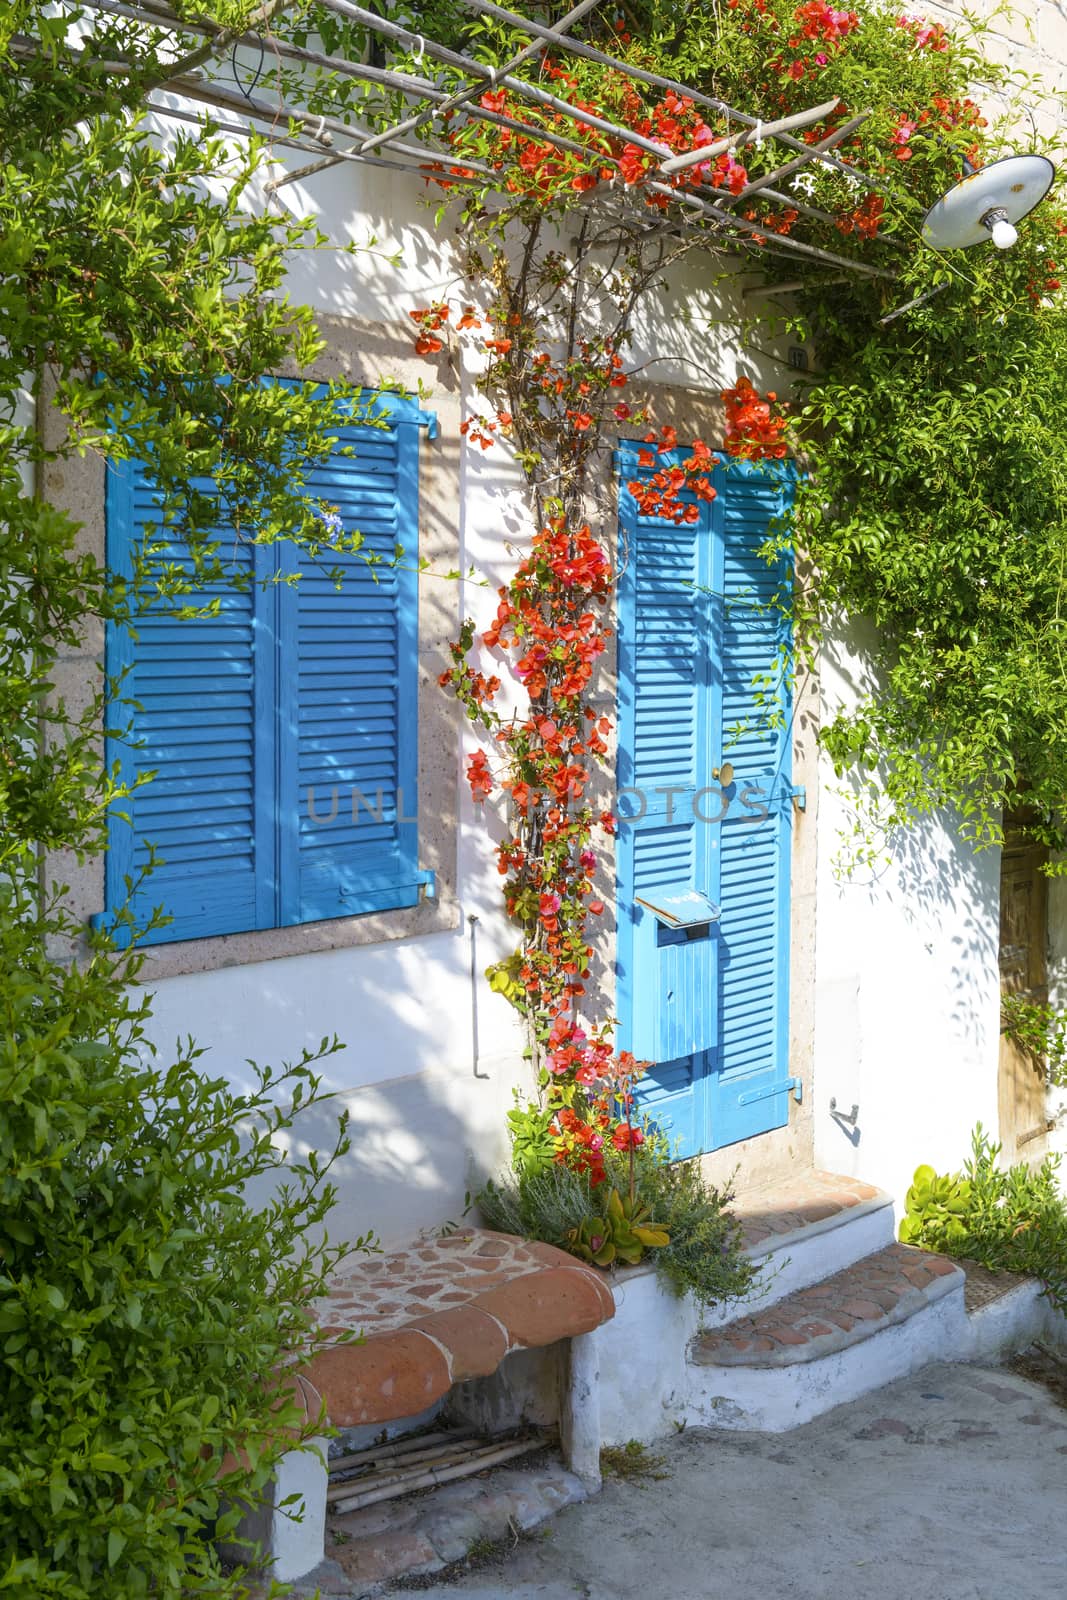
[749,1090]
[200,692]
[348,768]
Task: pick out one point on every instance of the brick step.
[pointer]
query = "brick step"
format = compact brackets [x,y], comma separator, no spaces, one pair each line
[804,1202]
[880,1319]
[843,1310]
[804,1229]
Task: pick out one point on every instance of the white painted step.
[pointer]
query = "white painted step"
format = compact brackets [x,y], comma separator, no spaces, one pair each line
[796,1257]
[884,1318]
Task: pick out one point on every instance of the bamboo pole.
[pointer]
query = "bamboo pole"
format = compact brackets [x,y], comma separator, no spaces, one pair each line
[911,305]
[814,152]
[445,103]
[781,241]
[246,130]
[535,49]
[418,1461]
[316,128]
[438,1475]
[764,291]
[397,1447]
[655,81]
[428,1446]
[588,119]
[766,130]
[205,92]
[261,17]
[158,15]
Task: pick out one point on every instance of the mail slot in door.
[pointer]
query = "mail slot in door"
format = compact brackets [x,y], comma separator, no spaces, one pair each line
[675,980]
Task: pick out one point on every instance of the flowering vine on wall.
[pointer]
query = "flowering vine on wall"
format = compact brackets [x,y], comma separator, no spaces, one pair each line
[554,325]
[558,401]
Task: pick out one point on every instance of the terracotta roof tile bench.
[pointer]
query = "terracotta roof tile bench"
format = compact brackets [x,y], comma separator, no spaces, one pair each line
[444,1310]
[433,1314]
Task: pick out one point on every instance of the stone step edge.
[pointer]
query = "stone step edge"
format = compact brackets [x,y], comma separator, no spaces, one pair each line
[812,1230]
[760,1253]
[827,1344]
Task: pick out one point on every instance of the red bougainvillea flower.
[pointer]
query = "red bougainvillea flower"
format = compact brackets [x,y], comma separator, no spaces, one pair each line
[865,219]
[478,775]
[633,164]
[926,35]
[820,21]
[754,423]
[901,138]
[627,1138]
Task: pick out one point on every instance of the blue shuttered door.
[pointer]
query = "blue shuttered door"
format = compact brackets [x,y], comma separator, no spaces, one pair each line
[668,691]
[706,1003]
[282,731]
[749,1081]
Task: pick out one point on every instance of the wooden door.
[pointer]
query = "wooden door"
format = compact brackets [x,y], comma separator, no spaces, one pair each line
[1023,970]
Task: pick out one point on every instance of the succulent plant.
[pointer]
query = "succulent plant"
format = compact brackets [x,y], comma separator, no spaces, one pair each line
[937,1201]
[623,1233]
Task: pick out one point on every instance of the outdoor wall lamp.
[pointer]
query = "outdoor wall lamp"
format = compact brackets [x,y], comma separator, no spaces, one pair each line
[986,204]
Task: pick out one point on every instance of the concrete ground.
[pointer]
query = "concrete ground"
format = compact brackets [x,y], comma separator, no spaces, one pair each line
[950,1485]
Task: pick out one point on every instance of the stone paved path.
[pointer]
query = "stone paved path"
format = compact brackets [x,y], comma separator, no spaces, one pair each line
[951,1485]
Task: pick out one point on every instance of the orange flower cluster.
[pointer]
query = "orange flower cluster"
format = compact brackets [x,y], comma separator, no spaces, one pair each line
[592,1092]
[660,495]
[550,619]
[534,165]
[773,221]
[755,423]
[865,219]
[428,321]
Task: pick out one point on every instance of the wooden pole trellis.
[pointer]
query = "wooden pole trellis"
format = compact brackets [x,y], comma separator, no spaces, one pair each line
[423,151]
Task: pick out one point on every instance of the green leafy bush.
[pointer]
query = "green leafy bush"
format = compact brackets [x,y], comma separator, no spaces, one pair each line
[148,1305]
[1013,1219]
[703,1253]
[157,1250]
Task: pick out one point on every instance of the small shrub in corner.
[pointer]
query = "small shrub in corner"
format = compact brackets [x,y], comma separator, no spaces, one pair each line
[1011,1219]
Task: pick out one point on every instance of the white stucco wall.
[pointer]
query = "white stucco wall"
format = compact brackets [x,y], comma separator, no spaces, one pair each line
[427,1101]
[907,984]
[906,961]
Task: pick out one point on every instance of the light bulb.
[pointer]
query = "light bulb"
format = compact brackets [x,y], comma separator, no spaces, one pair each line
[1004,235]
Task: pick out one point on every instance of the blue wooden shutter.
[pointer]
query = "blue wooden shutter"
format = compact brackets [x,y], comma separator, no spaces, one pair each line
[348,750]
[292,687]
[202,722]
[669,694]
[694,632]
[750,1086]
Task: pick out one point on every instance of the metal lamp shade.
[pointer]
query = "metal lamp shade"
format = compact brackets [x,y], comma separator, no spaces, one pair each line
[1014,186]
